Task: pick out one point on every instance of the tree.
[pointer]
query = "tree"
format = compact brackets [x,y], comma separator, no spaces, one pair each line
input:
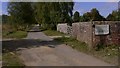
[119,14]
[21,14]
[93,15]
[66,12]
[109,17]
[87,16]
[114,16]
[49,14]
[76,16]
[4,18]
[96,15]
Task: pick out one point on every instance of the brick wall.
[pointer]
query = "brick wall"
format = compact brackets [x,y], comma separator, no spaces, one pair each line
[112,38]
[82,31]
[85,32]
[75,29]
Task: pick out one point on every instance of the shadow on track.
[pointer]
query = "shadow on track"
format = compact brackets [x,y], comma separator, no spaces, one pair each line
[15,45]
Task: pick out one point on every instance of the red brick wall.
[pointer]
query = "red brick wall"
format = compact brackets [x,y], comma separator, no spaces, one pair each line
[112,38]
[84,31]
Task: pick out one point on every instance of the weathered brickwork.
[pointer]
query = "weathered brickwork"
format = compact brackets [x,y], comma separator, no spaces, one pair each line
[85,32]
[75,29]
[62,28]
[112,38]
[82,31]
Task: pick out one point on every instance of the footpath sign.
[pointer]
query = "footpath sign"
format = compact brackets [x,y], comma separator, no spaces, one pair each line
[101,29]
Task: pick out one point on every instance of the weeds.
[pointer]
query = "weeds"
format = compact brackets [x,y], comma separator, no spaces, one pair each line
[11,59]
[53,33]
[107,53]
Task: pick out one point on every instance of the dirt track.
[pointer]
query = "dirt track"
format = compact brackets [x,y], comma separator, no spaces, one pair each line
[61,55]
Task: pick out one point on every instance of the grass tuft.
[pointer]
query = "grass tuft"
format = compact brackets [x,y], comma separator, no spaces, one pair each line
[11,59]
[53,33]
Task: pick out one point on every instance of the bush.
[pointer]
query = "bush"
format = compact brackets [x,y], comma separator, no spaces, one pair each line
[99,47]
[9,31]
[8,28]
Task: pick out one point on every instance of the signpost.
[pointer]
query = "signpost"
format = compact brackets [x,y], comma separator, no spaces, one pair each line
[101,29]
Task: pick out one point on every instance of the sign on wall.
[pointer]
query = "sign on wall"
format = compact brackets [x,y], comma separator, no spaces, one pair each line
[101,29]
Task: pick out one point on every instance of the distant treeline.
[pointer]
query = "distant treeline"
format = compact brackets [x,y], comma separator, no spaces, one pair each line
[49,14]
[94,15]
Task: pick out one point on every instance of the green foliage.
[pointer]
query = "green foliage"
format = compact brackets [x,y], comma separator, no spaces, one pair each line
[53,33]
[7,28]
[11,59]
[16,34]
[49,14]
[5,19]
[21,14]
[81,46]
[118,19]
[76,17]
[93,15]
[114,16]
[107,53]
[96,15]
[87,17]
[99,47]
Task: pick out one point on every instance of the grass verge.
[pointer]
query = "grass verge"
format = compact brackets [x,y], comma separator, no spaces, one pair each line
[17,34]
[53,33]
[81,46]
[108,54]
[11,59]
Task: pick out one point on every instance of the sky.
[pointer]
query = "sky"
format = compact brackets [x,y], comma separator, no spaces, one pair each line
[66,0]
[82,7]
[104,8]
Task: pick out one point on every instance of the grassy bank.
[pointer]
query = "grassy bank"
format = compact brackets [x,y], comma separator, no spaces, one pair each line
[16,34]
[53,33]
[11,59]
[9,31]
[108,54]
